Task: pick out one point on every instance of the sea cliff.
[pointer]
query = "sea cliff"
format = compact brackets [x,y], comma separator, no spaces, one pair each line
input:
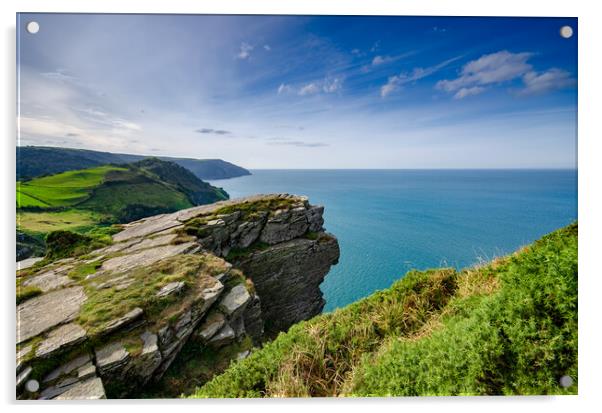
[111,323]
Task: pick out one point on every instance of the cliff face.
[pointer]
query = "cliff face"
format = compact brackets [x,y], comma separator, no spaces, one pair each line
[111,322]
[290,274]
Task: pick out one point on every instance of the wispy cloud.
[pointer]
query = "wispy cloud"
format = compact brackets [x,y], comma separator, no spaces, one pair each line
[309,89]
[332,85]
[213,131]
[489,69]
[549,80]
[60,75]
[379,60]
[267,47]
[500,68]
[284,88]
[326,85]
[468,91]
[245,51]
[48,130]
[396,82]
[99,117]
[297,143]
[357,52]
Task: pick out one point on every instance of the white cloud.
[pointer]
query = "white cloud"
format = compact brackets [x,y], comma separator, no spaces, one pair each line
[60,108]
[36,130]
[99,118]
[393,84]
[501,67]
[489,69]
[468,91]
[297,143]
[379,60]
[543,82]
[332,85]
[60,75]
[267,47]
[397,81]
[245,51]
[326,85]
[124,124]
[284,88]
[309,89]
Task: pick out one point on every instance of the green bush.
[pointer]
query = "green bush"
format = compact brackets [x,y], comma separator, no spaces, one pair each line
[63,244]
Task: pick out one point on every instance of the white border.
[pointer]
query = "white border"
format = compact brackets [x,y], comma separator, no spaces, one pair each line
[590,207]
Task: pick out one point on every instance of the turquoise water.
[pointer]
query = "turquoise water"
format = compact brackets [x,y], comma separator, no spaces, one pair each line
[390,221]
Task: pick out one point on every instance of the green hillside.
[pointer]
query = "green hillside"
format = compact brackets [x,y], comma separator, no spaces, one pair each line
[64,189]
[509,327]
[35,161]
[90,199]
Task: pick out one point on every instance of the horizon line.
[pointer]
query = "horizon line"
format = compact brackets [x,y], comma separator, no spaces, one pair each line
[422,169]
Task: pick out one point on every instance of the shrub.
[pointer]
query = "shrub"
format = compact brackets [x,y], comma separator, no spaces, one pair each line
[63,244]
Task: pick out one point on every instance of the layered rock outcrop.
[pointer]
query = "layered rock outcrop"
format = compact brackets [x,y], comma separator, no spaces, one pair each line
[109,323]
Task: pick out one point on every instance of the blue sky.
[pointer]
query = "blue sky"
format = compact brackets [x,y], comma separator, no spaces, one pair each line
[304,91]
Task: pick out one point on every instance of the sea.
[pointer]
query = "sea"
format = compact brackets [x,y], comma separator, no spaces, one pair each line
[391,221]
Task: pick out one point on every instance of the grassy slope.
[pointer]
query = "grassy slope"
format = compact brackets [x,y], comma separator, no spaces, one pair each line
[64,189]
[87,201]
[198,191]
[80,200]
[112,199]
[55,199]
[509,327]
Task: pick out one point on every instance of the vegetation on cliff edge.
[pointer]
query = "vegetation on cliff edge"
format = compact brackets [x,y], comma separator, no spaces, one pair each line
[508,327]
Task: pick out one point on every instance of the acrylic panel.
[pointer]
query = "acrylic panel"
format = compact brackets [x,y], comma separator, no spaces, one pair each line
[229,206]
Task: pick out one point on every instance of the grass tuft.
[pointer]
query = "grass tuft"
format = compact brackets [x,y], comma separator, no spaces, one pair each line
[251,210]
[26,292]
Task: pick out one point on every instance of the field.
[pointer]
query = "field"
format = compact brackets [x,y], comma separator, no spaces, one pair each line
[77,200]
[61,190]
[89,201]
[505,328]
[44,222]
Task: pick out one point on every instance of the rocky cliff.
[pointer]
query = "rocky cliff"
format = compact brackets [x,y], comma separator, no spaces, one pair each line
[111,322]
